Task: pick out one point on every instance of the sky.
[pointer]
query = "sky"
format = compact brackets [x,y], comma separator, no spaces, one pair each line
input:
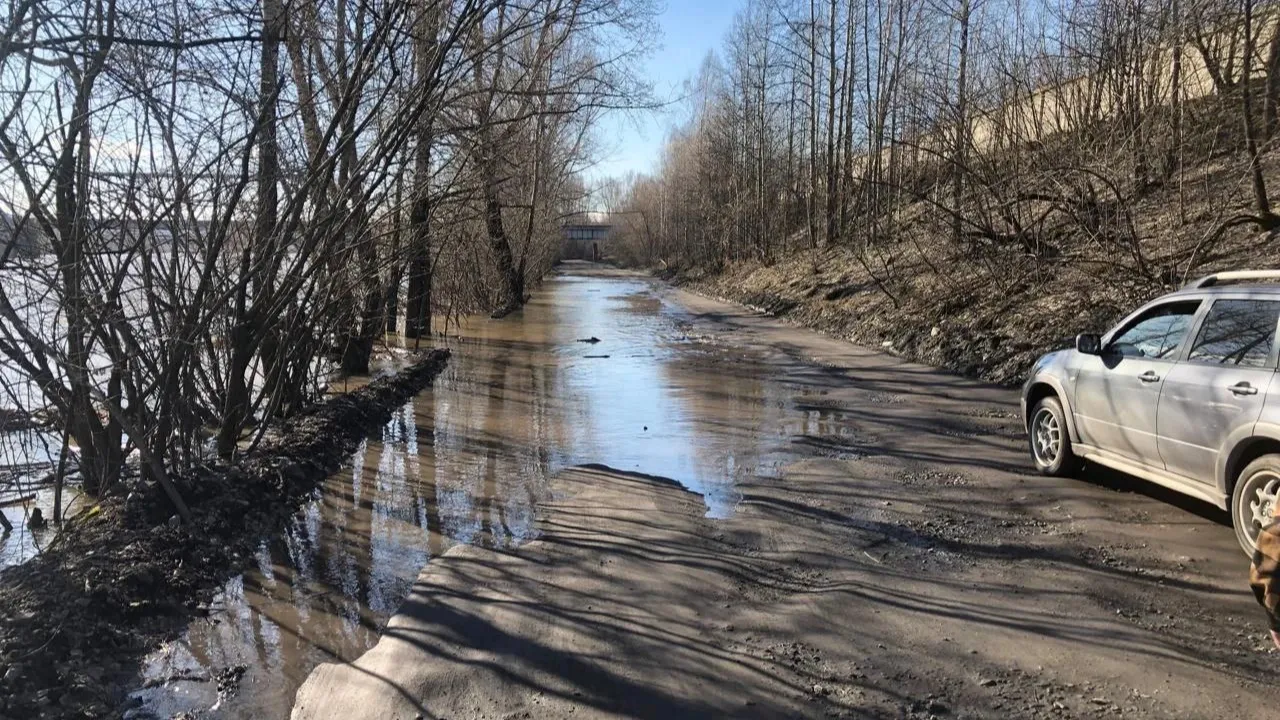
[690,29]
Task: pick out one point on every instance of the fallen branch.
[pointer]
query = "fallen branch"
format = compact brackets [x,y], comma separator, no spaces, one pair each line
[17,501]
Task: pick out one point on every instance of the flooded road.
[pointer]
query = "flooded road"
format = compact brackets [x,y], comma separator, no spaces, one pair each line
[468,462]
[846,535]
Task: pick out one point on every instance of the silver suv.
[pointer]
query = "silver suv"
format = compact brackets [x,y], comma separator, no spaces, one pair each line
[1182,393]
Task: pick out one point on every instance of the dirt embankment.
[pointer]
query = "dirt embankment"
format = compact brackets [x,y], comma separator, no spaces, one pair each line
[949,316]
[128,576]
[979,331]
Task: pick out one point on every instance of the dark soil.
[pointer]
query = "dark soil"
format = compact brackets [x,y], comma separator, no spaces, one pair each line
[127,576]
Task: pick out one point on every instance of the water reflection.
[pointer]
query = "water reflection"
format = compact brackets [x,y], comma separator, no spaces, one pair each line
[468,461]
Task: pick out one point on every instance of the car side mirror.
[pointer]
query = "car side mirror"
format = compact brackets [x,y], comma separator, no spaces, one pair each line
[1089,344]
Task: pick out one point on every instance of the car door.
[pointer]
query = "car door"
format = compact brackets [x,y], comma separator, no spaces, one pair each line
[1117,393]
[1220,386]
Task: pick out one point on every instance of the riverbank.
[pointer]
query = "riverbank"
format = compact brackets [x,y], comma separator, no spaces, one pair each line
[127,575]
[889,554]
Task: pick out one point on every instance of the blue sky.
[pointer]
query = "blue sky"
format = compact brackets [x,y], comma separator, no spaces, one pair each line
[690,29]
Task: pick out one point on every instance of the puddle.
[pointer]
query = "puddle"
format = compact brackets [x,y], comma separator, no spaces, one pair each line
[468,462]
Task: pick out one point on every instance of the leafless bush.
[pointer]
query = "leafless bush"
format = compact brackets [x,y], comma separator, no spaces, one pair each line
[211,206]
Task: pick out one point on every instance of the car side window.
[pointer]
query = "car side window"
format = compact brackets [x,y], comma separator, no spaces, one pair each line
[1237,332]
[1157,333]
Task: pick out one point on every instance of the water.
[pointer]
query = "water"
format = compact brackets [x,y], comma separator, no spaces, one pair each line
[468,462]
[26,457]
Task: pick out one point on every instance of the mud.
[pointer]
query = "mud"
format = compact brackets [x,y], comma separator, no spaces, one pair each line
[888,554]
[125,575]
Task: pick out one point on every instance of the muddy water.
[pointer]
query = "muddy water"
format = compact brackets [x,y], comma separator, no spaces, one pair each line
[26,457]
[467,462]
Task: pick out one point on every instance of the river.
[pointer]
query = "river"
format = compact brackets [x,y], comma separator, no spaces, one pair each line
[468,462]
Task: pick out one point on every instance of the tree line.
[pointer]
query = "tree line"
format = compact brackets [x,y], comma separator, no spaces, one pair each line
[220,202]
[1007,136]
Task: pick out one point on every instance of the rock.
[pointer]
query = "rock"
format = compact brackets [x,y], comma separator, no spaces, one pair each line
[935,332]
[937,707]
[986,682]
[174,521]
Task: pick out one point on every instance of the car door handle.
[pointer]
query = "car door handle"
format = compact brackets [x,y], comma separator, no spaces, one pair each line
[1149,377]
[1243,388]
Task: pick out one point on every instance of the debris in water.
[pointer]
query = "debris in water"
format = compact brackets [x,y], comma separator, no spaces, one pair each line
[183,676]
[593,340]
[37,519]
[598,357]
[228,680]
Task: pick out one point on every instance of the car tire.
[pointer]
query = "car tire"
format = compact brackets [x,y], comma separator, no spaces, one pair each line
[1049,441]
[1253,501]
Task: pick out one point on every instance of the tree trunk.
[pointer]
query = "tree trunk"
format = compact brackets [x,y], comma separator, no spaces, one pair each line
[511,293]
[960,164]
[391,302]
[236,408]
[1272,98]
[810,210]
[417,321]
[1261,202]
[831,126]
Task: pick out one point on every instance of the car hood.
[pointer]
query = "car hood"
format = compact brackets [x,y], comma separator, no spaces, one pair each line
[1051,362]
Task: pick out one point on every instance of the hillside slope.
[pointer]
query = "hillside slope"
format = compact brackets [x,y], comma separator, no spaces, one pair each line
[989,315]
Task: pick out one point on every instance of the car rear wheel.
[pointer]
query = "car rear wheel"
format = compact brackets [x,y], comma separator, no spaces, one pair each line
[1253,503]
[1050,443]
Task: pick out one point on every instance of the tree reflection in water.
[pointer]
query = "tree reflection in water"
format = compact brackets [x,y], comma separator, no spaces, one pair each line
[468,461]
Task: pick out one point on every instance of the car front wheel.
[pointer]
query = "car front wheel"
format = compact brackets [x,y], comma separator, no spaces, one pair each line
[1253,503]
[1050,443]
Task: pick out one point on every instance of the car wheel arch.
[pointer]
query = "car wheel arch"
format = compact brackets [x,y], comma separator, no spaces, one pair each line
[1044,387]
[1264,440]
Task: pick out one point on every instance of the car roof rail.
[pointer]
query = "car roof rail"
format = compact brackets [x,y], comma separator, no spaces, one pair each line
[1233,276]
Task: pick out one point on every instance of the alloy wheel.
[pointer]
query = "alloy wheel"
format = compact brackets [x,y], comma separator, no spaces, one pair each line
[1046,437]
[1260,495]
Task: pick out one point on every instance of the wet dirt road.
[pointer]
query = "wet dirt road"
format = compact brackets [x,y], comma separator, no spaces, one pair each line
[467,462]
[710,514]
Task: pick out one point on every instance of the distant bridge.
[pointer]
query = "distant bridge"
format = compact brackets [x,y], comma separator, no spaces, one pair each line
[585,241]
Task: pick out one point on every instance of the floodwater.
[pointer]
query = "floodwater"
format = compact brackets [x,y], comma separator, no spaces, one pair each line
[468,462]
[26,457]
